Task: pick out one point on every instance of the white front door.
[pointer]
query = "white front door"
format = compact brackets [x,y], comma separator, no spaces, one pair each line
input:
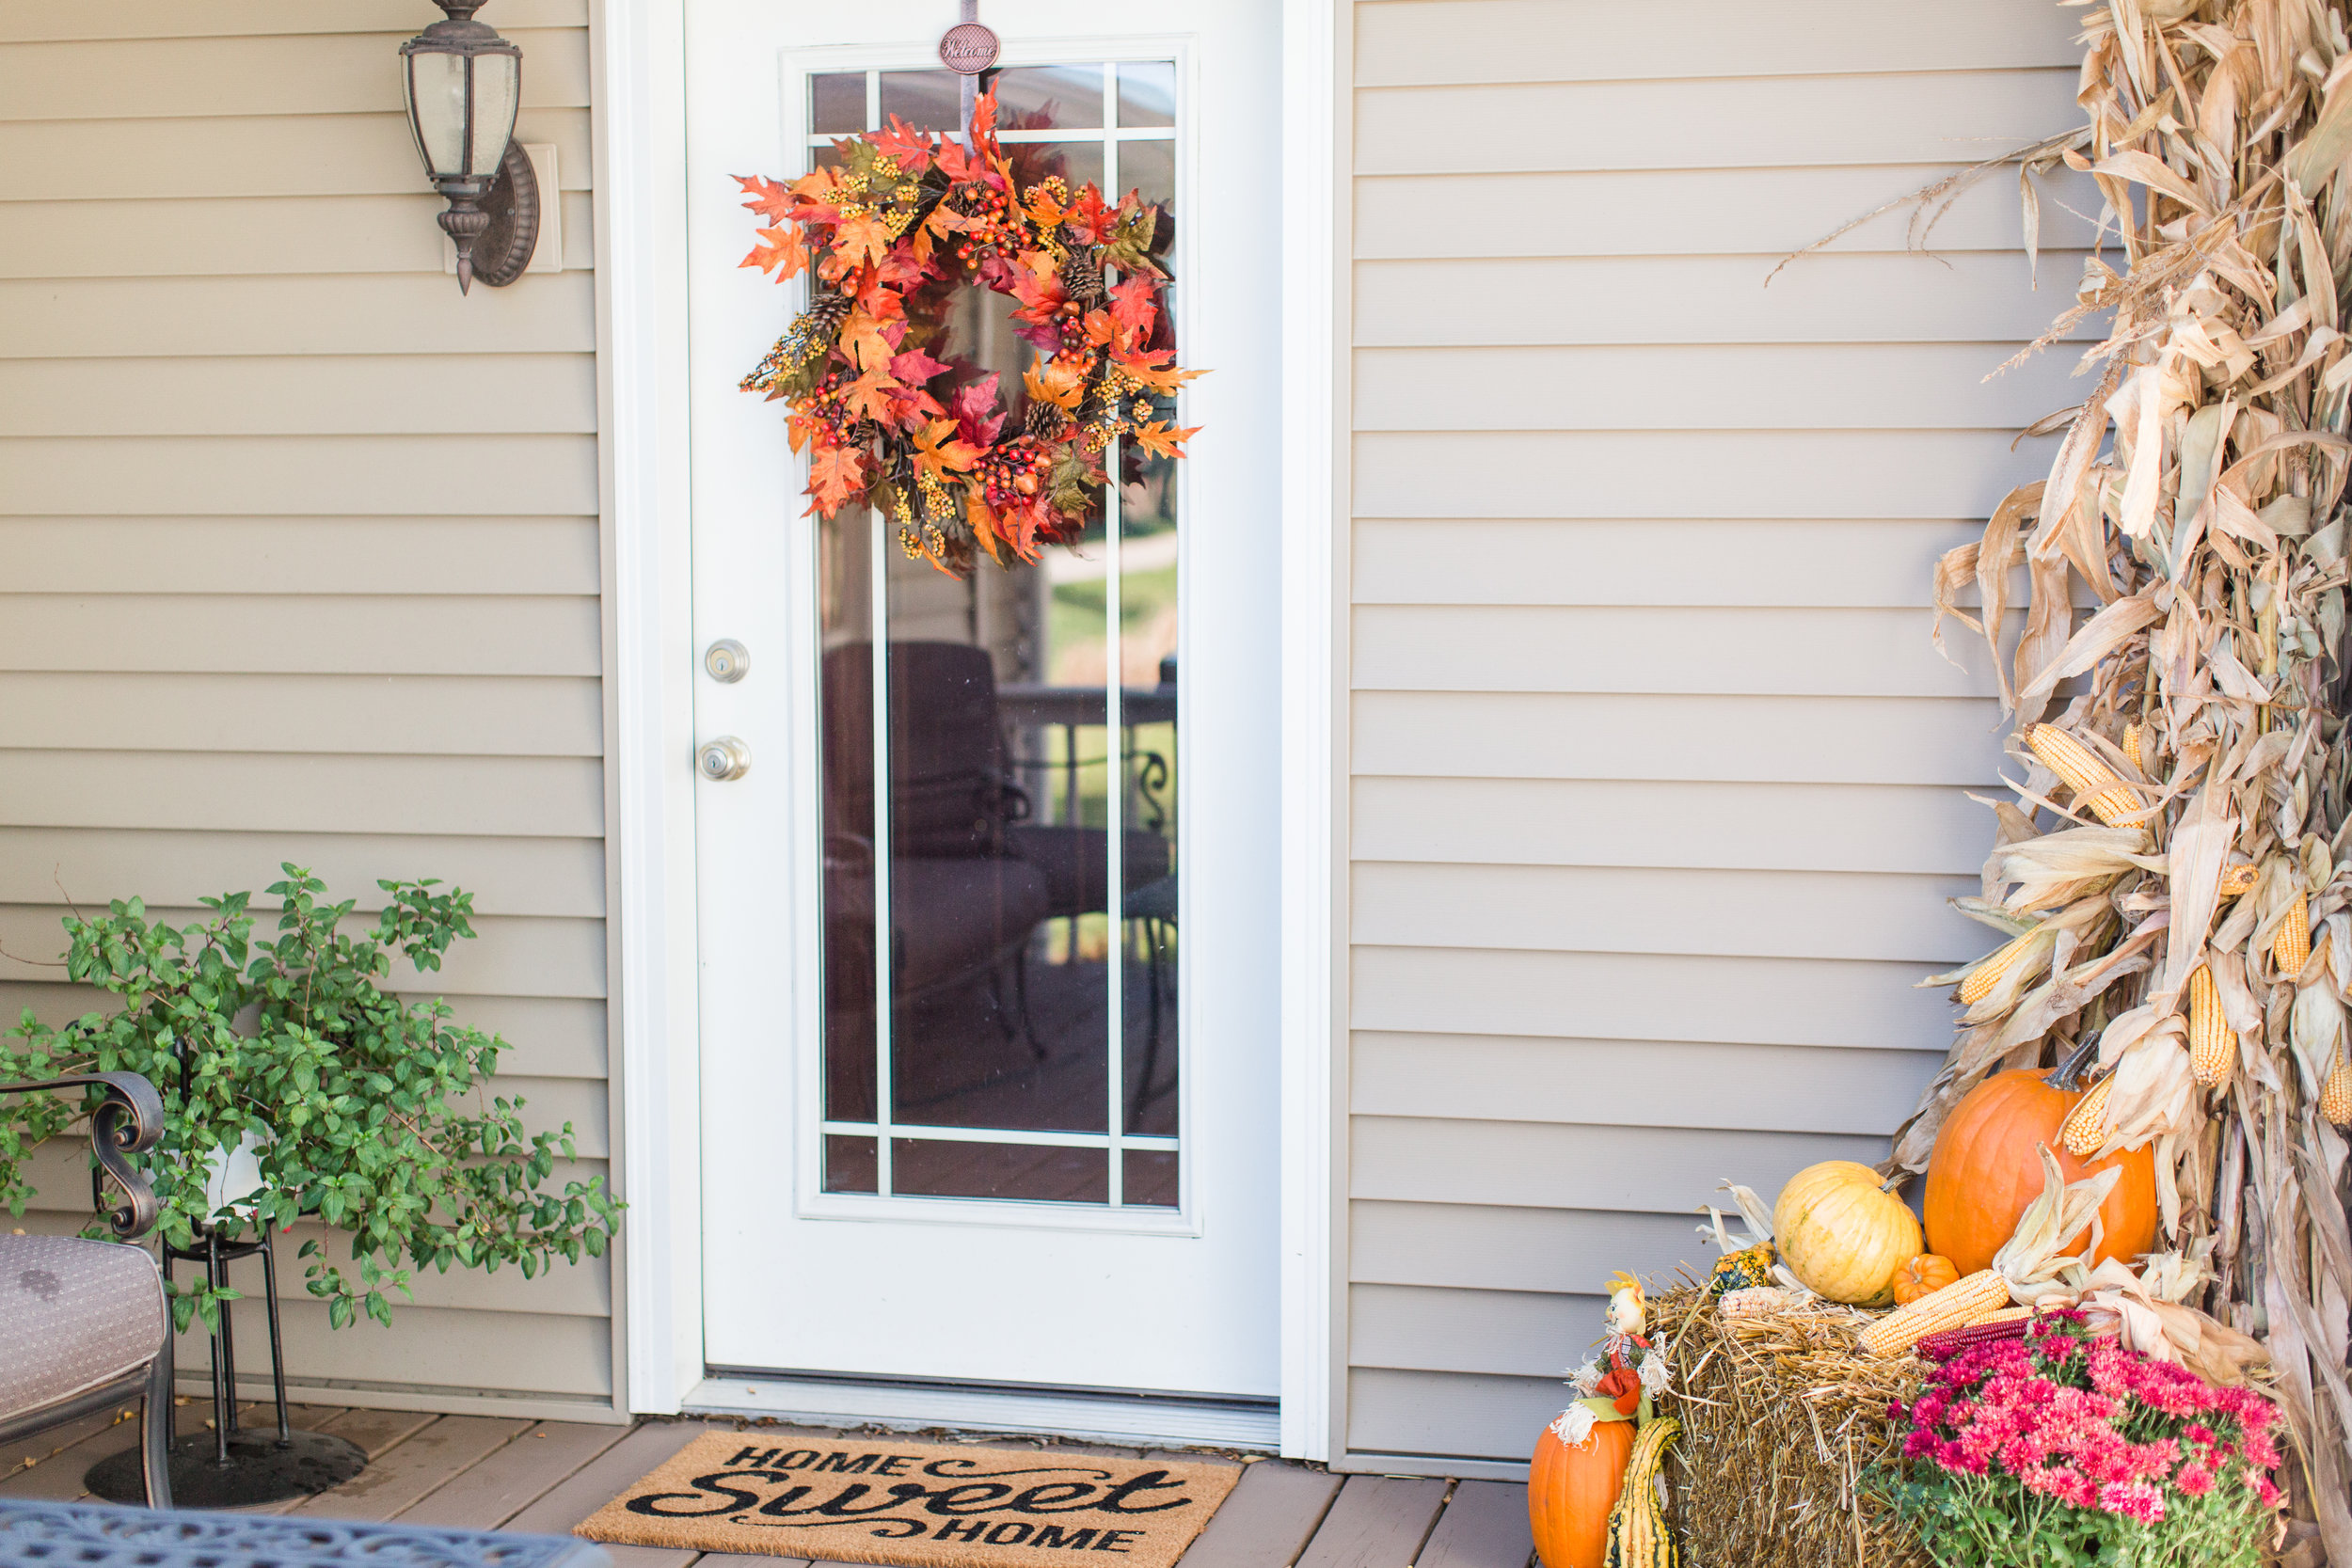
[990,1054]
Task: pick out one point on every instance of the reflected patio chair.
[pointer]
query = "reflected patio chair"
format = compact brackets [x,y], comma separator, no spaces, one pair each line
[963,903]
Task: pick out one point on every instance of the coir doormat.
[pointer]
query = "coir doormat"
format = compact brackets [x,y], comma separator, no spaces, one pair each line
[925,1505]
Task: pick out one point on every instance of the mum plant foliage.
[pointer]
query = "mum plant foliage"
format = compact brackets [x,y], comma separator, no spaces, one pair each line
[887,234]
[368,1111]
[2064,1450]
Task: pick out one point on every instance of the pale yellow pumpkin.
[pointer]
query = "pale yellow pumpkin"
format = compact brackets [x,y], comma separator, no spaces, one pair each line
[1844,1233]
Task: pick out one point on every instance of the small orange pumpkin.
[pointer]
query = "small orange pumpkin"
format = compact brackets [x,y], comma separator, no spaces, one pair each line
[1923,1275]
[1570,1490]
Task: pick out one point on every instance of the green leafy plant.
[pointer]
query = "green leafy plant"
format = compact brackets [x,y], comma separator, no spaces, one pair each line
[369,1112]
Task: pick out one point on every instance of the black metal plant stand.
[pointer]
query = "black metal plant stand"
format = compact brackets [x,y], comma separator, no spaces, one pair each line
[229,1467]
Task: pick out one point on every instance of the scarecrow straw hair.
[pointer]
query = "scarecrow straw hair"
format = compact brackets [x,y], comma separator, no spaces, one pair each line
[2197,502]
[1784,1432]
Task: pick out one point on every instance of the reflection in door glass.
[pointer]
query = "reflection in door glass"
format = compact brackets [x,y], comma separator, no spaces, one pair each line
[1015,1035]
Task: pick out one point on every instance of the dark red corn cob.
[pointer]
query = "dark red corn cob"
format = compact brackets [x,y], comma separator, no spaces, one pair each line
[1949,1342]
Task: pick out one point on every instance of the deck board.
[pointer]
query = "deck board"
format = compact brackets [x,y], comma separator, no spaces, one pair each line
[1484,1525]
[502,1484]
[1267,1518]
[450,1446]
[481,1472]
[604,1478]
[1376,1521]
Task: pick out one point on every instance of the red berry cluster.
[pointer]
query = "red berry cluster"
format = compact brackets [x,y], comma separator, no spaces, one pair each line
[1012,472]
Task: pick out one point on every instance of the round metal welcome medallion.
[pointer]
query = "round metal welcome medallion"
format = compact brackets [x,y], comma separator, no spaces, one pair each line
[968,48]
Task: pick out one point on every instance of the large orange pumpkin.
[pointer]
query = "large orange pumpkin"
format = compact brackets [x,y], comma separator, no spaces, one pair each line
[1570,1490]
[1986,1168]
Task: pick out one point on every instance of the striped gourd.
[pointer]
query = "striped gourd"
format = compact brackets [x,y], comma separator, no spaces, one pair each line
[1956,1306]
[2085,1126]
[1982,979]
[2096,786]
[2132,752]
[1637,1526]
[2291,948]
[2212,1043]
[2335,1095]
[2239,879]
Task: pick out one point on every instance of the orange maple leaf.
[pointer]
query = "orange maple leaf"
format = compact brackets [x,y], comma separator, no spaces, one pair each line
[862,339]
[836,475]
[938,449]
[769,199]
[783,254]
[1162,440]
[869,396]
[1160,377]
[863,238]
[1055,382]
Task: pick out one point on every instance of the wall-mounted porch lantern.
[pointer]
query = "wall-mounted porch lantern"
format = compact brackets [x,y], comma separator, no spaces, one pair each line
[463,84]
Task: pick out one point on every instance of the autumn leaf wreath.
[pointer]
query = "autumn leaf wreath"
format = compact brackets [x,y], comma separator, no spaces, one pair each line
[889,235]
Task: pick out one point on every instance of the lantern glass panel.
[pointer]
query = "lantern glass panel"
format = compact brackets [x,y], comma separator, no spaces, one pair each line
[437,110]
[496,88]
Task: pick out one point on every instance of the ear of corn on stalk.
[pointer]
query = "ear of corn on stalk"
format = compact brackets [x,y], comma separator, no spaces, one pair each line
[1982,979]
[2212,1043]
[2085,1126]
[2335,1095]
[2132,752]
[2291,948]
[2096,786]
[2238,879]
[1637,1528]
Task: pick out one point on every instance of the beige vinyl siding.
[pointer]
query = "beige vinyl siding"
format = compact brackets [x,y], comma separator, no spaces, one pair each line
[300,560]
[1654,781]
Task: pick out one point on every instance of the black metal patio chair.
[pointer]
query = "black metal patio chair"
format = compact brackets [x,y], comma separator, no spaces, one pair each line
[83,1323]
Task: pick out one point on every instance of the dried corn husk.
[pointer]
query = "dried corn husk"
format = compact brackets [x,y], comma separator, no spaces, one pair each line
[2197,499]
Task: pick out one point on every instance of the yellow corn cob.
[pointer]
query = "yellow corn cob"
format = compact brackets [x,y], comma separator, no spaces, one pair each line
[2238,879]
[1953,1306]
[2212,1043]
[1982,979]
[2335,1095]
[2291,948]
[1637,1531]
[2132,752]
[2085,1126]
[2095,785]
[1999,1315]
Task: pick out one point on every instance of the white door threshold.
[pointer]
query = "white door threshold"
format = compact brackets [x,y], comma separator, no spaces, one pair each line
[1130,1420]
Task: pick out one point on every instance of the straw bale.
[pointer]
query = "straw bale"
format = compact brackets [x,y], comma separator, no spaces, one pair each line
[1784,1433]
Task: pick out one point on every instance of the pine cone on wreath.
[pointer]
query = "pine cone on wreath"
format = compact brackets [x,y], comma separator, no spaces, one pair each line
[1044,420]
[1082,277]
[823,318]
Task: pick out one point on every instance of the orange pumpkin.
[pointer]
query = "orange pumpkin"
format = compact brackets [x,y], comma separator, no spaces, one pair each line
[1986,1168]
[1923,1275]
[1570,1490]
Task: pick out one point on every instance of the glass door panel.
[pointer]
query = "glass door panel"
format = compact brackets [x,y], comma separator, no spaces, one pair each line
[1022,860]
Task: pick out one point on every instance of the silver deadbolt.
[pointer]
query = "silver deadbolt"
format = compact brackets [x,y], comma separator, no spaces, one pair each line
[727,660]
[722,759]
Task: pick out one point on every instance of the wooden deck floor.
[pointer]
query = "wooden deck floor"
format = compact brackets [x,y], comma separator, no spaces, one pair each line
[478,1472]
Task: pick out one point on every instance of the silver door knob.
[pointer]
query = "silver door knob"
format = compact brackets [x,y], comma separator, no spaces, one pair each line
[727,660]
[722,759]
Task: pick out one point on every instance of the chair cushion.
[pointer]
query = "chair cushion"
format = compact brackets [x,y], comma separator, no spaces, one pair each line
[74,1316]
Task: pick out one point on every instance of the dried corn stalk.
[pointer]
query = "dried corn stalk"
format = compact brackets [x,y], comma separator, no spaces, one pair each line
[2182,751]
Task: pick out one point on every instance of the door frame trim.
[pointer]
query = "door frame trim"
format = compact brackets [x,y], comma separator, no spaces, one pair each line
[638,118]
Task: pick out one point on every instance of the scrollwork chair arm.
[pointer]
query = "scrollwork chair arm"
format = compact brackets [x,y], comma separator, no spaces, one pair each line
[129,1120]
